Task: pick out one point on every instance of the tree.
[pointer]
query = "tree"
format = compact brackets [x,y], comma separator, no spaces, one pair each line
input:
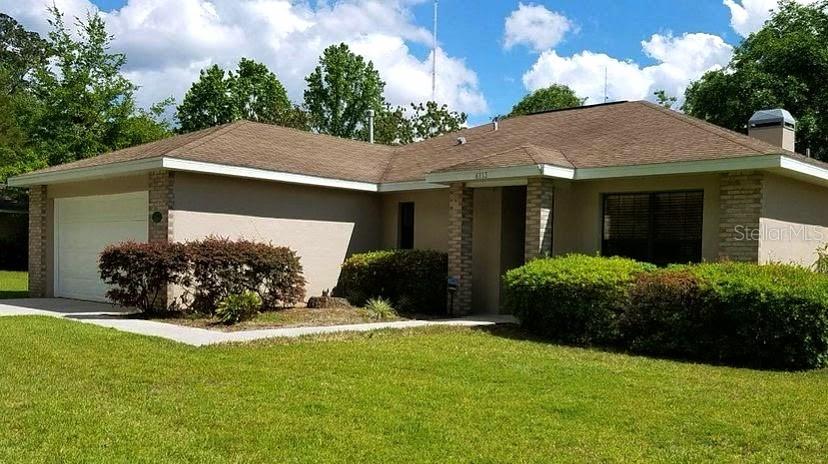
[253,92]
[341,90]
[784,65]
[21,52]
[431,120]
[665,100]
[84,103]
[391,127]
[554,97]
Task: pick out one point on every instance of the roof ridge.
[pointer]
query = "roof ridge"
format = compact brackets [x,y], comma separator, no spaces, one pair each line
[218,130]
[711,128]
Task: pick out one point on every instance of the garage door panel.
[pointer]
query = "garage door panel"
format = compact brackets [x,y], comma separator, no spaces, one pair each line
[84,226]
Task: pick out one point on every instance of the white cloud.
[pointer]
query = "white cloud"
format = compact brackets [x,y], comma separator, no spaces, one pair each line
[168,42]
[748,16]
[679,61]
[536,27]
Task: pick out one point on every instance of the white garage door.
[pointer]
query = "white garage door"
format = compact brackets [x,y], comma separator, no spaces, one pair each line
[84,226]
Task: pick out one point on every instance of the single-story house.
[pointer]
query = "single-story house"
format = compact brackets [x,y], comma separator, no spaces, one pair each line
[625,178]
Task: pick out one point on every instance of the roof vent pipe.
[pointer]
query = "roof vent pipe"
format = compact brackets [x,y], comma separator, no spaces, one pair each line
[495,125]
[370,126]
[461,140]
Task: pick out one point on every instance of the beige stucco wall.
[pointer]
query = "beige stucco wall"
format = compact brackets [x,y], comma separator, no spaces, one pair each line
[430,218]
[794,221]
[486,233]
[108,186]
[322,225]
[578,206]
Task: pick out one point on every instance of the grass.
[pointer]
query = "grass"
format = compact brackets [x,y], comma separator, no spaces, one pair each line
[72,392]
[14,284]
[290,317]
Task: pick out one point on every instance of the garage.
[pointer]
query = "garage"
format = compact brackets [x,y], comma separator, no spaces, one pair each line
[84,226]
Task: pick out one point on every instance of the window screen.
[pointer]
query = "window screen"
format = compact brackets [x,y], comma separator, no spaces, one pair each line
[405,232]
[658,227]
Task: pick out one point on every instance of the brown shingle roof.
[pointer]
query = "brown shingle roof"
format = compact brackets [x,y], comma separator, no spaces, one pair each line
[618,134]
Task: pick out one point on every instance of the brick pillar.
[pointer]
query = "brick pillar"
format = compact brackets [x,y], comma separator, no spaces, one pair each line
[461,214]
[740,207]
[161,200]
[37,241]
[540,204]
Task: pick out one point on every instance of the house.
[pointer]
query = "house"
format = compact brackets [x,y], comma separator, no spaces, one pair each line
[626,178]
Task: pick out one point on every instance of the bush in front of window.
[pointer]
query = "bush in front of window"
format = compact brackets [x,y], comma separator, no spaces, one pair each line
[414,281]
[573,299]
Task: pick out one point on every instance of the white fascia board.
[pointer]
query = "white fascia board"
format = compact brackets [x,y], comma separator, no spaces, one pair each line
[177,164]
[485,174]
[79,174]
[681,167]
[408,186]
[806,169]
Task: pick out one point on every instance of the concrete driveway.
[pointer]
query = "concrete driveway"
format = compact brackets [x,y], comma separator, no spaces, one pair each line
[107,315]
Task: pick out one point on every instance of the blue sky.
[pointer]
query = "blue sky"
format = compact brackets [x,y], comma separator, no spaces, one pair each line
[491,52]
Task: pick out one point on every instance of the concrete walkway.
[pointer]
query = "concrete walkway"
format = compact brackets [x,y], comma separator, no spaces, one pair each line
[106,315]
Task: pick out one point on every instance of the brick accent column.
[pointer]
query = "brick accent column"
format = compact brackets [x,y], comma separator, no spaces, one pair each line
[540,204]
[161,200]
[461,215]
[740,207]
[37,241]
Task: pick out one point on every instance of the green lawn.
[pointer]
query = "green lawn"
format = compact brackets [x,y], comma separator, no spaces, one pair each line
[14,284]
[71,392]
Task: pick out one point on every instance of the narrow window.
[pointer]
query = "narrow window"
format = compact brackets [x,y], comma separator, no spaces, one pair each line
[659,227]
[405,234]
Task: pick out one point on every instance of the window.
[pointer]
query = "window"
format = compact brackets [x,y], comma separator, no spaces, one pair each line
[405,228]
[659,227]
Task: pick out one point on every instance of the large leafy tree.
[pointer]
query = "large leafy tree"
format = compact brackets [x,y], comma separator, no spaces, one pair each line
[21,52]
[341,90]
[432,120]
[784,64]
[554,97]
[253,92]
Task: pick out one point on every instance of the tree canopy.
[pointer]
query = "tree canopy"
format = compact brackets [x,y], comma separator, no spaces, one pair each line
[396,126]
[341,90]
[783,65]
[554,97]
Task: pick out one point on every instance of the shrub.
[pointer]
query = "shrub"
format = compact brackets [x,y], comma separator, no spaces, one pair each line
[221,267]
[413,280]
[239,307]
[379,309]
[574,299]
[139,274]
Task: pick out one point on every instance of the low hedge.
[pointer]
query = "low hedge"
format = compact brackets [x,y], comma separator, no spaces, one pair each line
[207,272]
[763,316]
[413,280]
[573,299]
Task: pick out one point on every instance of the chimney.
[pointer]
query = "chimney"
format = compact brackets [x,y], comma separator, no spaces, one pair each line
[371,126]
[776,127]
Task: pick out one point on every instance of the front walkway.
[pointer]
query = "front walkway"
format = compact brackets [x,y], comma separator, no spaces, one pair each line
[106,315]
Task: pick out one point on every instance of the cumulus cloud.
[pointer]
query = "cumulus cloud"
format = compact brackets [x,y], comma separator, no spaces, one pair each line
[679,60]
[748,16]
[168,42]
[536,27]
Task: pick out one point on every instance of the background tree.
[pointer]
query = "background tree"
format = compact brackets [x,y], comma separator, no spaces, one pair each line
[391,127]
[665,100]
[432,120]
[209,102]
[21,52]
[554,97]
[341,90]
[258,93]
[784,65]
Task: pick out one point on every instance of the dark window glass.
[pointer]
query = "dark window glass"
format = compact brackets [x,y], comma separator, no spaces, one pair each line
[659,227]
[406,226]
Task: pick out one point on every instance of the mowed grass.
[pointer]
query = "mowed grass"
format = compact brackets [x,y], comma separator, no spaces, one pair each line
[71,392]
[13,284]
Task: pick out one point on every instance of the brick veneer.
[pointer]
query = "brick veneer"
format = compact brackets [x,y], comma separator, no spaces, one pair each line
[740,208]
[461,215]
[540,202]
[161,200]
[37,241]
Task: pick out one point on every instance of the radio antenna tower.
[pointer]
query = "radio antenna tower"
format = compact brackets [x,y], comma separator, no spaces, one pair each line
[434,57]
[606,96]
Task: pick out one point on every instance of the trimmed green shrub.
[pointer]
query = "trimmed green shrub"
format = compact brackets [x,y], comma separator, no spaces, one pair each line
[574,299]
[240,307]
[379,309]
[139,274]
[413,280]
[222,267]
